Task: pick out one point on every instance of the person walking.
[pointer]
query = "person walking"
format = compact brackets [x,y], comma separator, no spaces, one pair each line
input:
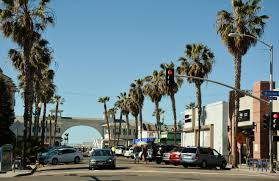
[145,153]
[113,149]
[136,154]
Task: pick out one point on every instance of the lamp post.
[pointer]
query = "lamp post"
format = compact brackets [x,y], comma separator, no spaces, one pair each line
[270,47]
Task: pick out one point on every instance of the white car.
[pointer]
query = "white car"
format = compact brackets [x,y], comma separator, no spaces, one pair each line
[64,155]
[129,153]
[119,150]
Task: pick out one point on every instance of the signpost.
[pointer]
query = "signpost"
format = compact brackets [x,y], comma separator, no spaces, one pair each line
[269,93]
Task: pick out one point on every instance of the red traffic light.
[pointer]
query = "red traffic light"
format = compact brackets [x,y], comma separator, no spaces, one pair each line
[275,116]
[170,72]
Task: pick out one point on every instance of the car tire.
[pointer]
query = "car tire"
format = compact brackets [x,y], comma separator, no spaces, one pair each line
[54,161]
[158,161]
[77,160]
[204,164]
[90,168]
[185,166]
[223,165]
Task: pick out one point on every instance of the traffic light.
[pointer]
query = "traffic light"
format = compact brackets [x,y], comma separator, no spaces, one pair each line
[266,119]
[275,120]
[170,77]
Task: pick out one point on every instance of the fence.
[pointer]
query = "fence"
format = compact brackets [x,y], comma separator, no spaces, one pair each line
[261,164]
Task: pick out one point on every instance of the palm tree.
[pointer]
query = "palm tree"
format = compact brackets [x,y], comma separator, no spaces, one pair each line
[22,21]
[152,89]
[47,90]
[57,100]
[134,109]
[200,61]
[243,19]
[120,104]
[112,112]
[191,105]
[104,101]
[171,91]
[161,112]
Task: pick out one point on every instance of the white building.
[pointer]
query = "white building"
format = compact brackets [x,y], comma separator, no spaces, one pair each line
[214,122]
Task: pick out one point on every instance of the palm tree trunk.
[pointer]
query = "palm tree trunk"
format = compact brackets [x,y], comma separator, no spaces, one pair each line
[50,132]
[106,117]
[137,125]
[174,115]
[141,123]
[55,122]
[28,99]
[128,127]
[37,117]
[114,125]
[43,125]
[157,117]
[237,66]
[199,100]
[119,127]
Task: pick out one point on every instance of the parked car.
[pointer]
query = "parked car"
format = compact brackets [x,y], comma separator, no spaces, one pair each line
[202,157]
[42,155]
[175,156]
[166,153]
[129,153]
[102,158]
[63,155]
[119,150]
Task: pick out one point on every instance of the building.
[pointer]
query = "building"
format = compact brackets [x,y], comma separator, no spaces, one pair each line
[214,122]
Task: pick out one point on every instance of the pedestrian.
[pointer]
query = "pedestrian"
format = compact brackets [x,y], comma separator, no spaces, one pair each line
[144,153]
[136,154]
[113,149]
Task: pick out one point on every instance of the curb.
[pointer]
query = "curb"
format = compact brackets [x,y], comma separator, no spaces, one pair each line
[27,174]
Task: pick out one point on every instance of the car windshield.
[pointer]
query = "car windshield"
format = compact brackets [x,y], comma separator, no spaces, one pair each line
[102,153]
[190,150]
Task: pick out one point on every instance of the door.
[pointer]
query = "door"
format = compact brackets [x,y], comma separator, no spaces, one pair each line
[217,157]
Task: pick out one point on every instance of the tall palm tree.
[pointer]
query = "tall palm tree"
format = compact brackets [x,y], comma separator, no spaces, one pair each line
[244,19]
[47,88]
[171,91]
[104,101]
[120,104]
[22,21]
[133,108]
[153,90]
[200,61]
[57,100]
[112,112]
[161,113]
[137,86]
[191,105]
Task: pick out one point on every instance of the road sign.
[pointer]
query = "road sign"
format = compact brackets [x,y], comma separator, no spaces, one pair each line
[269,93]
[15,126]
[272,98]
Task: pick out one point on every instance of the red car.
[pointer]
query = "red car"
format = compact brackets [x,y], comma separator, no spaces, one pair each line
[175,156]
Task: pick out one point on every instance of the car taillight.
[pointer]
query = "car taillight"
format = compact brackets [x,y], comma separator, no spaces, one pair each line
[197,156]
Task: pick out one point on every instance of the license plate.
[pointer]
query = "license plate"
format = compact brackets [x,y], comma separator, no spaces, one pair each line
[100,163]
[187,156]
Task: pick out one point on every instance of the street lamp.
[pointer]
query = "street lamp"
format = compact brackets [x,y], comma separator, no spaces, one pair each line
[270,47]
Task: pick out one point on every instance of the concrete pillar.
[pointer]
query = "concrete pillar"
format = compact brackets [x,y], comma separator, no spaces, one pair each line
[261,142]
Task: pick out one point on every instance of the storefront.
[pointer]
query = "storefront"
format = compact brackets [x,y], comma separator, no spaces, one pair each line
[168,138]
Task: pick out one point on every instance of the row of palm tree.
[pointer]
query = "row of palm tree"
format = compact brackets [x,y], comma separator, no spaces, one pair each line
[23,22]
[198,59]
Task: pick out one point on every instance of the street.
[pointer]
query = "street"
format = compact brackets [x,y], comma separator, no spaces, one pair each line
[127,170]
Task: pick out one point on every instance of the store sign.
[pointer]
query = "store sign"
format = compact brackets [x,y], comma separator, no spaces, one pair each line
[164,135]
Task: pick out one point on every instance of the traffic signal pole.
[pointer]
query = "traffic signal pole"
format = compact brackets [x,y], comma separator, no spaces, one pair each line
[270,109]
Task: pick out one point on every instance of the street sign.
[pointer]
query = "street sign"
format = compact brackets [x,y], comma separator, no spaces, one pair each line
[269,93]
[17,125]
[272,98]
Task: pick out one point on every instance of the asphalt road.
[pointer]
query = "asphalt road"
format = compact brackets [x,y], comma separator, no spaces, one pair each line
[127,170]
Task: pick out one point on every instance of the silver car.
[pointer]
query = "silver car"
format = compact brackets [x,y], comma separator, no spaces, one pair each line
[102,158]
[203,157]
[63,155]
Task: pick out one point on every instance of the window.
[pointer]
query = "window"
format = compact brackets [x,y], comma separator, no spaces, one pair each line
[66,151]
[189,150]
[130,131]
[215,153]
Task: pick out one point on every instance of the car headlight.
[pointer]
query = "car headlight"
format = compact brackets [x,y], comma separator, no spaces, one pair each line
[110,160]
[93,161]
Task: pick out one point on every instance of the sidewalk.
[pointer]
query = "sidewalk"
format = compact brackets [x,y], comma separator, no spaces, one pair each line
[244,169]
[19,173]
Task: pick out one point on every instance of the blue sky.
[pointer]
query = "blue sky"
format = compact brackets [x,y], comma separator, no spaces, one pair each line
[101,46]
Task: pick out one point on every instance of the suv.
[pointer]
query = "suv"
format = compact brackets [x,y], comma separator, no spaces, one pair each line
[63,155]
[203,157]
